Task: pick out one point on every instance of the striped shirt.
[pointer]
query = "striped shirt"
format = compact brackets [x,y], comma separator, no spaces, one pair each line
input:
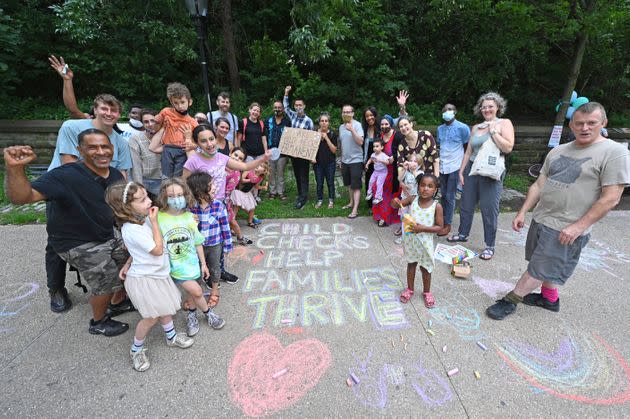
[213,225]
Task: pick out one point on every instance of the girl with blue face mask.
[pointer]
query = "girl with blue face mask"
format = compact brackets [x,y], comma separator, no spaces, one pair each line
[184,245]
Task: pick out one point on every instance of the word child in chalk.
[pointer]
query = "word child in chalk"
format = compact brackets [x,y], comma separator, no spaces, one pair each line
[425,219]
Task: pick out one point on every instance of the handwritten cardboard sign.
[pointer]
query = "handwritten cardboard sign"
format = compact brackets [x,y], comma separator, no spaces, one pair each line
[300,143]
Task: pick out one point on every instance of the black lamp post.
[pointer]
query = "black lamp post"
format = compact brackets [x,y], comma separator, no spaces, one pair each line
[198,10]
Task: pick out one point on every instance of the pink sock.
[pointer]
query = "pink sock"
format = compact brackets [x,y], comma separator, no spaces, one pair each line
[549,294]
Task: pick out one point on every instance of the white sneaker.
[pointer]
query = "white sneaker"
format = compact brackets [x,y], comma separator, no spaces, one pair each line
[376,201]
[368,196]
[181,341]
[192,324]
[140,360]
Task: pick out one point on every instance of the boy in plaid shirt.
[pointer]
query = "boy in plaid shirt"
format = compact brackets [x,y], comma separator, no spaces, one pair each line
[213,225]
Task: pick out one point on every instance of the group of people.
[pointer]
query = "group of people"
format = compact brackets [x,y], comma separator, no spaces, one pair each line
[172,185]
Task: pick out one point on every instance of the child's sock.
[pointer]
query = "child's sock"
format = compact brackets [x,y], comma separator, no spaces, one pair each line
[137,345]
[207,311]
[169,330]
[549,294]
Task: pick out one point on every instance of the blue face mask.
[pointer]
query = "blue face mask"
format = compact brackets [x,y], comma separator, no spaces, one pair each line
[448,116]
[177,203]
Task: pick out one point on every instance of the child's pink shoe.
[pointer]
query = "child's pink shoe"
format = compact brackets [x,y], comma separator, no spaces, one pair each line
[429,301]
[406,296]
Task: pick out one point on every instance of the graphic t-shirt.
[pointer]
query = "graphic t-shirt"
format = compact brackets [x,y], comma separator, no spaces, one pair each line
[214,166]
[575,177]
[180,238]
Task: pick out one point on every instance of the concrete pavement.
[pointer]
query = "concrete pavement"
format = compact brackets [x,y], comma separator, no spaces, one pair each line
[318,301]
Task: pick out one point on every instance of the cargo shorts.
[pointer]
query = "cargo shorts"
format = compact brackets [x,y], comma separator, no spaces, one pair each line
[98,264]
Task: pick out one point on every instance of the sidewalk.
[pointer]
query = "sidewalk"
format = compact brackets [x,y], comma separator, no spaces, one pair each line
[318,301]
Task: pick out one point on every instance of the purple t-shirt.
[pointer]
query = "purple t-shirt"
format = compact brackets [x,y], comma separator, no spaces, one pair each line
[215,167]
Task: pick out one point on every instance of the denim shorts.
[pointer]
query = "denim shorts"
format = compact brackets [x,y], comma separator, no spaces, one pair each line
[548,259]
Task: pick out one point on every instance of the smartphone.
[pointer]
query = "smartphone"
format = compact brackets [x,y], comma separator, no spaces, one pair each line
[64,71]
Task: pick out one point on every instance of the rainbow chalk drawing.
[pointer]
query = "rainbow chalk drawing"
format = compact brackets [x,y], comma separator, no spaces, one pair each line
[583,369]
[265,377]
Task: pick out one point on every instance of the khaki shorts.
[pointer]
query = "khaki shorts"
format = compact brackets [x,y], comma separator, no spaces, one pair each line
[548,259]
[99,264]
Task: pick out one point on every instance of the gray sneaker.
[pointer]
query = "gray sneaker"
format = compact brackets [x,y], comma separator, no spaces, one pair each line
[215,321]
[192,324]
[140,360]
[181,341]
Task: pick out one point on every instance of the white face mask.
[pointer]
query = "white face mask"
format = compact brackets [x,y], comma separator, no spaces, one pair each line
[448,116]
[136,124]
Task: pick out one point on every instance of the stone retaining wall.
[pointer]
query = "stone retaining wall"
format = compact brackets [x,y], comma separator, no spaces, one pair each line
[531,141]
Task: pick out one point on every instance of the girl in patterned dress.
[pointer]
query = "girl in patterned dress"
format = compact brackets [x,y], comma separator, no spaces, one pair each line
[425,220]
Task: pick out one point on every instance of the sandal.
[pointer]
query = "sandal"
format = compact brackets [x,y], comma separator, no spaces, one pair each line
[213,300]
[353,215]
[457,238]
[252,225]
[381,223]
[429,301]
[331,204]
[406,296]
[487,254]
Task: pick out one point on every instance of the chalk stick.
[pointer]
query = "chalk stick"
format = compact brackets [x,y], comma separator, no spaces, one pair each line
[477,375]
[355,378]
[380,297]
[482,346]
[444,348]
[401,337]
[405,346]
[431,332]
[349,382]
[285,321]
[279,373]
[430,323]
[262,252]
[453,372]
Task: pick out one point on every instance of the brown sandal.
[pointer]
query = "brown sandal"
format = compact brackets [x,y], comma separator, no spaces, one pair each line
[213,300]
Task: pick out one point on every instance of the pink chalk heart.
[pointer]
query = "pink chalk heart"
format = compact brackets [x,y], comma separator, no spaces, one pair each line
[265,377]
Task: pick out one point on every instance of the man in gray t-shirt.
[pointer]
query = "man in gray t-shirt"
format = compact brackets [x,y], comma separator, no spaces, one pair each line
[351,142]
[580,182]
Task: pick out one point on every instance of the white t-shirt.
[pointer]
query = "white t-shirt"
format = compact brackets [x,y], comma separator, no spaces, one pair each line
[139,242]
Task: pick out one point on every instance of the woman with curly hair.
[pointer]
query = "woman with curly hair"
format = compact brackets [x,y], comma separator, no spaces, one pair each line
[480,189]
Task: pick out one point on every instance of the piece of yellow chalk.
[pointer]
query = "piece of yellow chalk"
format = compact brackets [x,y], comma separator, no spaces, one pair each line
[477,375]
[431,332]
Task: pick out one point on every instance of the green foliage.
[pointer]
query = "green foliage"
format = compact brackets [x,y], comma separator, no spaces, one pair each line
[331,51]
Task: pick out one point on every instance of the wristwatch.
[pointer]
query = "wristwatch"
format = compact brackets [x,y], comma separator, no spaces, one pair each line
[493,132]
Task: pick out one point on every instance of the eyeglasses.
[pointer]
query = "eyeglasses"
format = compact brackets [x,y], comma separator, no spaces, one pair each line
[484,108]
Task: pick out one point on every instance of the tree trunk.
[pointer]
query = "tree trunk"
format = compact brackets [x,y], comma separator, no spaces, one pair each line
[228,43]
[578,55]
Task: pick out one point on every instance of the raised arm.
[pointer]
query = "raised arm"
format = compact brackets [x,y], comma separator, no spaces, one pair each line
[69,99]
[502,133]
[16,184]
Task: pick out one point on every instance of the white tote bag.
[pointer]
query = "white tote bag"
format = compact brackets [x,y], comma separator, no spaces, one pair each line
[490,162]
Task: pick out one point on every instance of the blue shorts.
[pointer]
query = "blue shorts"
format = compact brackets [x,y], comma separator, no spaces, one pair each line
[548,259]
